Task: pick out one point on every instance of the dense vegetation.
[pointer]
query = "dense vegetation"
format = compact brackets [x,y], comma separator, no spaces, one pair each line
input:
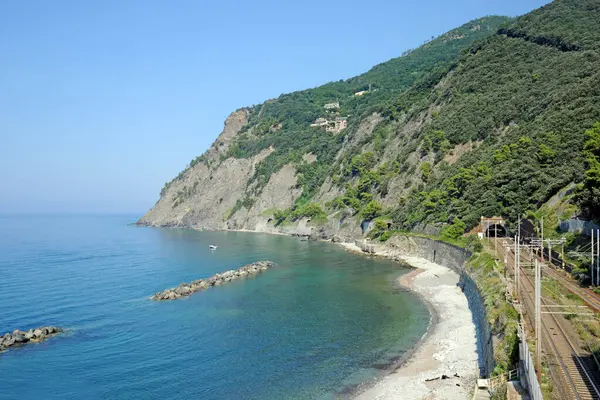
[284,123]
[488,119]
[588,194]
[529,102]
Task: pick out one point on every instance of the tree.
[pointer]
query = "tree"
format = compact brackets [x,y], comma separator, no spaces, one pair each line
[372,210]
[588,195]
[454,231]
[436,140]
[425,169]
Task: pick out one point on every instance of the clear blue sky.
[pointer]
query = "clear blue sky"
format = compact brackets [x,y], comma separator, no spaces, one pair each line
[103,102]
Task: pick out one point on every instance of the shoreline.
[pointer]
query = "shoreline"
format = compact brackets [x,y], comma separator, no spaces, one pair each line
[443,364]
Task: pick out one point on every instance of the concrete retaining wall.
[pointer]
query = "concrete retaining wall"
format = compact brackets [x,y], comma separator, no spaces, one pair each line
[452,257]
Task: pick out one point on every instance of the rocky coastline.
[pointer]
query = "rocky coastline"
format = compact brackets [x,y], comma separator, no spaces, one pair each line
[186,289]
[20,338]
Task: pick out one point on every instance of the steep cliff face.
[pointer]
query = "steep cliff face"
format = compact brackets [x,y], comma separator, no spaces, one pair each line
[487,119]
[204,196]
[268,158]
[203,193]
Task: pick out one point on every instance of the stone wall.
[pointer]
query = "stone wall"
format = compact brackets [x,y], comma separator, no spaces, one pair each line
[452,257]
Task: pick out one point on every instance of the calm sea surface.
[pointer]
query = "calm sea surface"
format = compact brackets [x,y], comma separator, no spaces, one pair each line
[322,321]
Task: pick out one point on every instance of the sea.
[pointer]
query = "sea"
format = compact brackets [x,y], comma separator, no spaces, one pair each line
[321,323]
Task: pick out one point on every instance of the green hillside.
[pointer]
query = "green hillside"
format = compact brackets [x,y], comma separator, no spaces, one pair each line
[296,111]
[487,119]
[528,94]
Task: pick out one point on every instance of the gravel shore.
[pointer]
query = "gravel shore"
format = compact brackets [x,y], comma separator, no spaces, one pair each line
[444,366]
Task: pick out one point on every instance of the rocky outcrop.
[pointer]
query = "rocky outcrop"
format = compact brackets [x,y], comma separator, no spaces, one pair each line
[19,338]
[186,289]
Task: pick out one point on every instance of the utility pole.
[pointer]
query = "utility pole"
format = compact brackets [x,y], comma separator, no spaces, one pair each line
[538,319]
[542,242]
[518,257]
[496,239]
[592,266]
[597,255]
[516,263]
[550,242]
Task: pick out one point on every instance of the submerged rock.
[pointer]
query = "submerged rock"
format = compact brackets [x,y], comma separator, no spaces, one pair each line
[186,289]
[18,337]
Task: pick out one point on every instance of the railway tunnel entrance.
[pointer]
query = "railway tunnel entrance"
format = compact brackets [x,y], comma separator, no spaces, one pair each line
[493,227]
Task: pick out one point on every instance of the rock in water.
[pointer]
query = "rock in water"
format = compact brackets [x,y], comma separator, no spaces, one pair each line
[186,289]
[19,337]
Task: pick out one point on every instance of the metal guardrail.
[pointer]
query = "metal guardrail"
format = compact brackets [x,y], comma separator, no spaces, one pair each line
[497,381]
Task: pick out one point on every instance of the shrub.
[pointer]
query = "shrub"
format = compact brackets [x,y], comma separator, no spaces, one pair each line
[310,210]
[473,244]
[385,236]
[372,210]
[280,216]
[336,204]
[454,231]
[425,169]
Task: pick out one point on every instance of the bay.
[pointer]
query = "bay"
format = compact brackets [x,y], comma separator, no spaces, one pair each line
[322,321]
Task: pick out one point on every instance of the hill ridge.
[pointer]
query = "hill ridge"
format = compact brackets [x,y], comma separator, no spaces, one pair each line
[491,122]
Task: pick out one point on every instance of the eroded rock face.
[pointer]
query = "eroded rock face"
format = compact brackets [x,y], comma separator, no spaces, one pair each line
[186,289]
[36,335]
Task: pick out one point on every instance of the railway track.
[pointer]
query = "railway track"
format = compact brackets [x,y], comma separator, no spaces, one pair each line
[587,295]
[577,370]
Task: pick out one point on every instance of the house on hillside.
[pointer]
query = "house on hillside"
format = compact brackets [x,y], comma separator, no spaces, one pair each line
[320,122]
[334,126]
[332,106]
[337,125]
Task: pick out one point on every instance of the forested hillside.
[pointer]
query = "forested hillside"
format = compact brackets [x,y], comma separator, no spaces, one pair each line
[487,119]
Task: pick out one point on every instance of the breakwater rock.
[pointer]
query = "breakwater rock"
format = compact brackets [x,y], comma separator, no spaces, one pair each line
[186,289]
[19,338]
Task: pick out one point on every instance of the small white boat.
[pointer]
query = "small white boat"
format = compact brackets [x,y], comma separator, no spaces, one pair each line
[212,247]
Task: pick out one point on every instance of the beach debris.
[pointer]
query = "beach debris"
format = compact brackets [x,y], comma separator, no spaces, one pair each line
[443,377]
[20,338]
[186,289]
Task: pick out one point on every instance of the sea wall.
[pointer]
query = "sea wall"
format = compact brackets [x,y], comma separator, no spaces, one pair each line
[34,335]
[186,289]
[452,257]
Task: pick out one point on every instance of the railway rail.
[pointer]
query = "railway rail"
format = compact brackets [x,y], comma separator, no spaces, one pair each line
[592,299]
[577,370]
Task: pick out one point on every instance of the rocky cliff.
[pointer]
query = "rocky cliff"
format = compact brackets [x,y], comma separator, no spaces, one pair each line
[487,119]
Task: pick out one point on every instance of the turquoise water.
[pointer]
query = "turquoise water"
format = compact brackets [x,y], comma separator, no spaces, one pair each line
[321,322]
